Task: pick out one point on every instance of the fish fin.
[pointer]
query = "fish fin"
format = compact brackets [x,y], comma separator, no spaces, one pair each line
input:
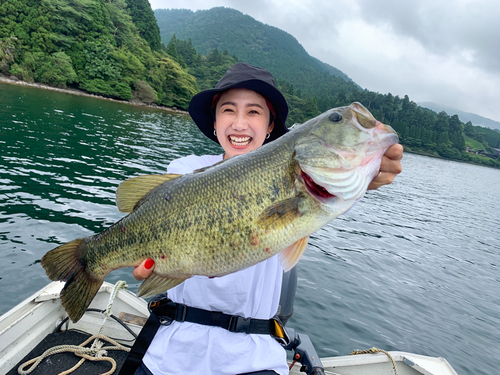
[156,284]
[64,263]
[291,255]
[130,191]
[281,213]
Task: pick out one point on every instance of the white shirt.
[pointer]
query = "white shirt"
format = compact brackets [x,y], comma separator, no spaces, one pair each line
[189,348]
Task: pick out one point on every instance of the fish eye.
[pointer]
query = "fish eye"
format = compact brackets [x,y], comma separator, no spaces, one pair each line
[335,117]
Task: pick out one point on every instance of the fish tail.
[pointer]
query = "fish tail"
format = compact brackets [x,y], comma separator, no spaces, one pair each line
[65,263]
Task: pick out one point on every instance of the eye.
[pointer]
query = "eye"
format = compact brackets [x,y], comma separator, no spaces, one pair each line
[335,117]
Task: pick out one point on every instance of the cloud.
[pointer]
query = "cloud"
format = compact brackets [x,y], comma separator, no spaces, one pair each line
[467,30]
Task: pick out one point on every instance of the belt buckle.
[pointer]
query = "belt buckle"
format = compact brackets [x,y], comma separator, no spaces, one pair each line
[156,302]
[239,324]
[278,331]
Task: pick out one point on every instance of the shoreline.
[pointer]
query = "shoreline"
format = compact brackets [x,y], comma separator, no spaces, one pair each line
[450,159]
[77,92]
[70,91]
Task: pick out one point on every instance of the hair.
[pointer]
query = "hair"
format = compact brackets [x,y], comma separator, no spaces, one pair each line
[216,98]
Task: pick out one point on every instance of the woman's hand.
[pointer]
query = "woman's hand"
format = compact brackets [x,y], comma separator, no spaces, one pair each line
[389,168]
[144,270]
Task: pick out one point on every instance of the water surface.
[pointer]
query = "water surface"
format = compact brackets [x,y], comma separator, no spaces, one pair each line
[413,267]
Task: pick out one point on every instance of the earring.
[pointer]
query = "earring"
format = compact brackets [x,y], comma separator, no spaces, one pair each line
[215,132]
[268,135]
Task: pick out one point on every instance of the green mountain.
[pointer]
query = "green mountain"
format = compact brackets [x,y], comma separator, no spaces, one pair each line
[256,43]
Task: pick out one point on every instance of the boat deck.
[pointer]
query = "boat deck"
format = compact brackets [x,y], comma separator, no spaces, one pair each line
[61,362]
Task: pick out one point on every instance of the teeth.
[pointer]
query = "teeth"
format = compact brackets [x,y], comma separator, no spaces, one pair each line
[239,140]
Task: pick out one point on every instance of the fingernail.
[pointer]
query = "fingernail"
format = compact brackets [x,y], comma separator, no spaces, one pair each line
[149,263]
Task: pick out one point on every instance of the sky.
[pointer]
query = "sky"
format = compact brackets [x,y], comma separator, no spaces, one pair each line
[442,51]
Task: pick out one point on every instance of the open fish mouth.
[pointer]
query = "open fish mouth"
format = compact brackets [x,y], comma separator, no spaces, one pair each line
[315,189]
[328,185]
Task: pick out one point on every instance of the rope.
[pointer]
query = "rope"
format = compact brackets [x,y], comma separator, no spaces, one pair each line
[97,352]
[375,350]
[119,285]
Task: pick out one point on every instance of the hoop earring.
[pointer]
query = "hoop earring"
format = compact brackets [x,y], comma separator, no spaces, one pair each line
[215,132]
[268,135]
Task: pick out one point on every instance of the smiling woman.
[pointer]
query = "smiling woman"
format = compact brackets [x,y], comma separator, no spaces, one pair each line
[242,121]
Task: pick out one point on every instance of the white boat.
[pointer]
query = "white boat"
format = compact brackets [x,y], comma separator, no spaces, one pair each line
[26,325]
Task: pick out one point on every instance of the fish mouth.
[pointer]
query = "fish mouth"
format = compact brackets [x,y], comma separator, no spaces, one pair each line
[240,141]
[315,189]
[332,185]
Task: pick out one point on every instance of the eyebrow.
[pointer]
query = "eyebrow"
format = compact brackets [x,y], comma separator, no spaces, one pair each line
[248,105]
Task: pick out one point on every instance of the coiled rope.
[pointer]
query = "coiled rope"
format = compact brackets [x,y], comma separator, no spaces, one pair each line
[97,352]
[375,350]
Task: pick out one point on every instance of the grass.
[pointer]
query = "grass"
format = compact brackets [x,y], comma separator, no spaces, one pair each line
[472,143]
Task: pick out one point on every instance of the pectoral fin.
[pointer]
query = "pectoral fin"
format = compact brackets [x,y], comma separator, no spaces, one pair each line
[156,284]
[282,213]
[131,191]
[291,255]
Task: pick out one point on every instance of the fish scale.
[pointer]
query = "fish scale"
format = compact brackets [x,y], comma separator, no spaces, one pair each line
[232,215]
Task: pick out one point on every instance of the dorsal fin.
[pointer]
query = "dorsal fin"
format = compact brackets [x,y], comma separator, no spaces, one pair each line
[131,191]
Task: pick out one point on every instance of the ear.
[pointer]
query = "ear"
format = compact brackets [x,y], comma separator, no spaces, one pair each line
[271,127]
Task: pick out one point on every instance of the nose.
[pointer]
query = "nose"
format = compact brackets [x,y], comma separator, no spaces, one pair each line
[239,123]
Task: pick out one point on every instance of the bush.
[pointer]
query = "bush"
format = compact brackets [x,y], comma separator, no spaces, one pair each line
[144,93]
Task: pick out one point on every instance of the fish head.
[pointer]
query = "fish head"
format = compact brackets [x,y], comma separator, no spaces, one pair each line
[339,153]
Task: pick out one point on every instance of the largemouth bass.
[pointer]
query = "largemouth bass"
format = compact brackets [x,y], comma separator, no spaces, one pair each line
[232,215]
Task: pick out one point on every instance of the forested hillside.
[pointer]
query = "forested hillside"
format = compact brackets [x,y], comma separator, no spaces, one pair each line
[92,45]
[311,86]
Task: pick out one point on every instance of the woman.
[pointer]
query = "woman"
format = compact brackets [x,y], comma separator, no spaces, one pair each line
[244,111]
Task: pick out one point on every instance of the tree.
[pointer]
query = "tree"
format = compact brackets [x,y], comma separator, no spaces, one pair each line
[172,48]
[144,18]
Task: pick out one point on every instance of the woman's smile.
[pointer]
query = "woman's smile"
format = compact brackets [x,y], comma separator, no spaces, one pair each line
[239,141]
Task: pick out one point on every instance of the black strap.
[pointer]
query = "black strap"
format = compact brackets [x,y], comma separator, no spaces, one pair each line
[164,311]
[140,346]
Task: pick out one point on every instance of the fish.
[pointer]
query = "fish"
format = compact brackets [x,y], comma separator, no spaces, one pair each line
[231,215]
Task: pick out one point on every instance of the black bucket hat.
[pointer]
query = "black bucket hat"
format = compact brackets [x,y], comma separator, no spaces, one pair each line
[246,76]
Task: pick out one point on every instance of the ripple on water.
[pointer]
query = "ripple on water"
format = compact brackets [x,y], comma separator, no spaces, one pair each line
[414,266]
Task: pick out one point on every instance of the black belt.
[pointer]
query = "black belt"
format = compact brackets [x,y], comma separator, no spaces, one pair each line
[164,311]
[167,311]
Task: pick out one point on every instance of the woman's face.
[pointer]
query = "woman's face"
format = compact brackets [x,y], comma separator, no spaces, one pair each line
[241,121]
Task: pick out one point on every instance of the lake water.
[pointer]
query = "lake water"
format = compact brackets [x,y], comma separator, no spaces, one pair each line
[414,266]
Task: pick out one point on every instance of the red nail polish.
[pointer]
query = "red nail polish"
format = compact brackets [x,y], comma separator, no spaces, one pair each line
[149,263]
